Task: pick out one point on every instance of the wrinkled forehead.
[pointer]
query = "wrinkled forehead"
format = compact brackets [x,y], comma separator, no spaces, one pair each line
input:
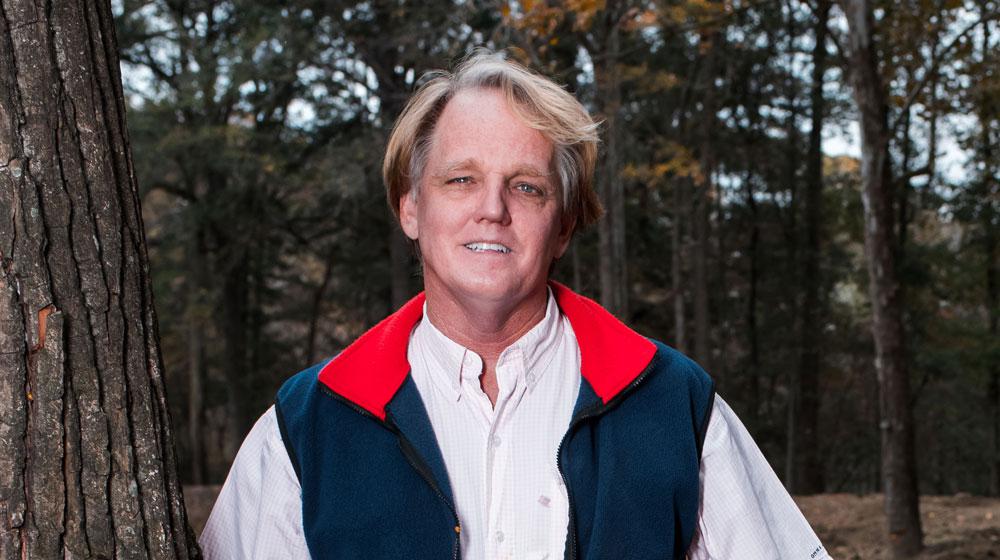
[479,127]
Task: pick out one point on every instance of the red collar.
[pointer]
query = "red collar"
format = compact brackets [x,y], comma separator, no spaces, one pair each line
[371,370]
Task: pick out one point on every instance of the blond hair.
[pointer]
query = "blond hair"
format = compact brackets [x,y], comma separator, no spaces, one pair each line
[540,102]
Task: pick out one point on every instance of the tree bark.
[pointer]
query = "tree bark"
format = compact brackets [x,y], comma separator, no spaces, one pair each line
[899,472]
[808,475]
[88,467]
[611,230]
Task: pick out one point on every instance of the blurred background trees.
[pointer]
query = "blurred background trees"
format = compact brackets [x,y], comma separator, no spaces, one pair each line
[731,171]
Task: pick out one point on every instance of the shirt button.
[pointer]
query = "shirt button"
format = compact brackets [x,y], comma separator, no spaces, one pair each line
[530,378]
[495,440]
[499,536]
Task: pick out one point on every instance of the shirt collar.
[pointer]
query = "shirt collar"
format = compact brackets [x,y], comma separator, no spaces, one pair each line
[450,364]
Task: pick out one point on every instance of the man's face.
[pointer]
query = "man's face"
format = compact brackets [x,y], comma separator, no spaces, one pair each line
[487,215]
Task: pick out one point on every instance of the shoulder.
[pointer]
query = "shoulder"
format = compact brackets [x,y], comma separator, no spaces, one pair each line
[674,369]
[300,385]
[679,385]
[293,410]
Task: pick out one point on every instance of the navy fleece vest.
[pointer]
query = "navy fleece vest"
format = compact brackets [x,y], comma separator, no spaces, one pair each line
[375,488]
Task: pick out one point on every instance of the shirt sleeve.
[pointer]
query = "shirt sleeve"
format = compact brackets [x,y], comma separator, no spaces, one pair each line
[258,514]
[745,510]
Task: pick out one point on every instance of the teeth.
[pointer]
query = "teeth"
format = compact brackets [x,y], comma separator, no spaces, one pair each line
[481,247]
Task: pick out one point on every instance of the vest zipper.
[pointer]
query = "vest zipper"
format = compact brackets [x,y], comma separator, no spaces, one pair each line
[591,412]
[418,464]
[412,457]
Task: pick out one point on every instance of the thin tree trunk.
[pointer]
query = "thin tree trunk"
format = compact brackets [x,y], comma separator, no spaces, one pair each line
[317,306]
[677,266]
[399,266]
[235,297]
[808,466]
[702,329]
[88,468]
[702,346]
[993,389]
[753,367]
[899,471]
[992,254]
[611,230]
[903,192]
[196,316]
[196,401]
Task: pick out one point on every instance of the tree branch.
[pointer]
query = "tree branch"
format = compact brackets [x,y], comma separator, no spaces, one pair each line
[933,68]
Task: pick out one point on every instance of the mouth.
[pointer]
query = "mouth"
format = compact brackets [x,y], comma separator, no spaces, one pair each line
[481,247]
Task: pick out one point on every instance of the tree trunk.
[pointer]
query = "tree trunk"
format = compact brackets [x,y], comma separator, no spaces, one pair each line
[808,466]
[702,191]
[87,467]
[316,311]
[899,472]
[677,266]
[197,318]
[753,336]
[991,247]
[236,368]
[993,389]
[611,230]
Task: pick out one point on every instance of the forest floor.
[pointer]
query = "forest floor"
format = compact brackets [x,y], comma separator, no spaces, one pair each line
[955,527]
[851,527]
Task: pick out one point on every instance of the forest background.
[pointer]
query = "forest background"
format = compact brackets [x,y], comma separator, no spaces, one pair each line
[730,169]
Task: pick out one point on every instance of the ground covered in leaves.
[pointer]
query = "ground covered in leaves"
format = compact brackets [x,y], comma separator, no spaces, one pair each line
[955,527]
[851,527]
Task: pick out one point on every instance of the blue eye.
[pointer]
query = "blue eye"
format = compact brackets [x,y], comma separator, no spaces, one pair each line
[528,188]
[459,181]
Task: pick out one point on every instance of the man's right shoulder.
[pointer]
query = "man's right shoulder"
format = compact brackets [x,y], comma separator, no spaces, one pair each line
[300,384]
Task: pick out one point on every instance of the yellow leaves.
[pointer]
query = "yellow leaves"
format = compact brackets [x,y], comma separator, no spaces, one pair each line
[706,16]
[641,18]
[584,12]
[536,18]
[674,160]
[649,82]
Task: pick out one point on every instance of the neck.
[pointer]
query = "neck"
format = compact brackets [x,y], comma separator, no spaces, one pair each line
[486,328]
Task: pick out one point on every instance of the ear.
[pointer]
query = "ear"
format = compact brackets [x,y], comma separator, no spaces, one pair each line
[408,215]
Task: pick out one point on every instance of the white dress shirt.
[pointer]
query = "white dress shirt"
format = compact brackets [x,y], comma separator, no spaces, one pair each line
[501,463]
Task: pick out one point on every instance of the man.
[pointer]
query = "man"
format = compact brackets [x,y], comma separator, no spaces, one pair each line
[499,415]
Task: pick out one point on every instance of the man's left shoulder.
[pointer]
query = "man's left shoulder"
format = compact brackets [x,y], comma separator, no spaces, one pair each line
[671,366]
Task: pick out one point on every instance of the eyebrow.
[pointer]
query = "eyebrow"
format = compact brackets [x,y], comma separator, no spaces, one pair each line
[520,169]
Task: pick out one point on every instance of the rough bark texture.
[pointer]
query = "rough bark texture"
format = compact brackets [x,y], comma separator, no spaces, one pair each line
[87,468]
[807,473]
[899,474]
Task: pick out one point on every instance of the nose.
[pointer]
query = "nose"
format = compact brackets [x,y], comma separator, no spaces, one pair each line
[492,206]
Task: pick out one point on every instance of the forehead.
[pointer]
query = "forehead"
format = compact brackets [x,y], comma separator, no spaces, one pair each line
[479,125]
